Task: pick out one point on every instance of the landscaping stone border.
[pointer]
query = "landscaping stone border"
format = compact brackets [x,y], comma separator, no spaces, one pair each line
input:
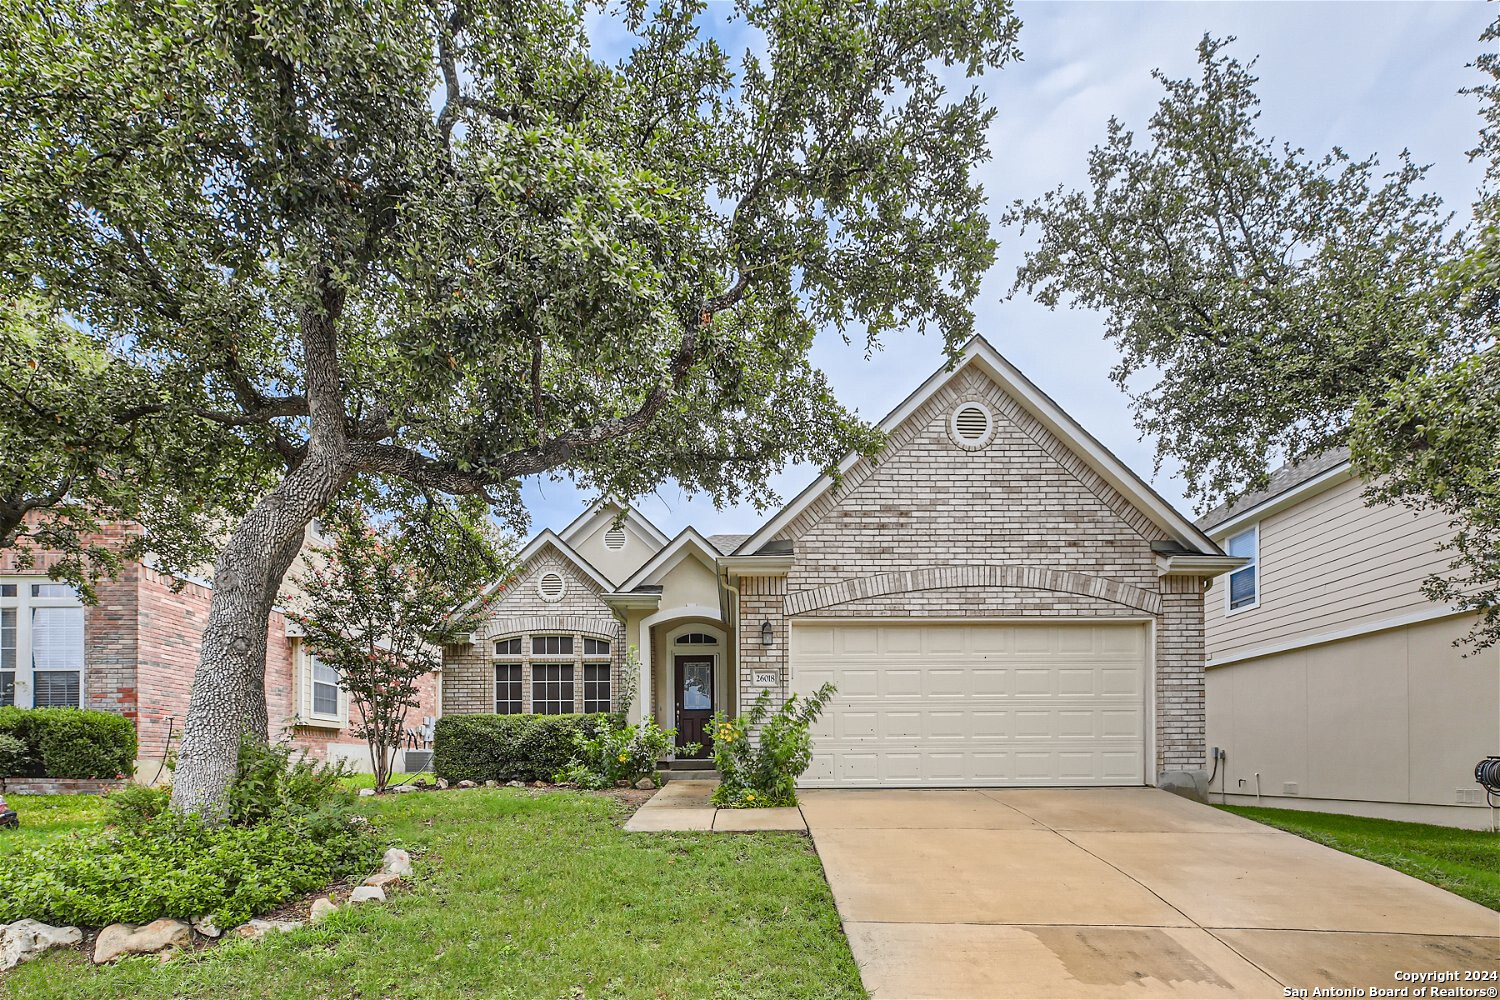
[63,786]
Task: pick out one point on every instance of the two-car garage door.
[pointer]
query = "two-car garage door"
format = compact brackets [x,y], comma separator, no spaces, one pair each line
[1055,703]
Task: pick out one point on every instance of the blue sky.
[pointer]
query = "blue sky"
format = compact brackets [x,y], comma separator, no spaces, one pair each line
[1370,77]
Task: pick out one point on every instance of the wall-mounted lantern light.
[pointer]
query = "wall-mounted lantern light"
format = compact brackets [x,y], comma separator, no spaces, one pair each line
[767,634]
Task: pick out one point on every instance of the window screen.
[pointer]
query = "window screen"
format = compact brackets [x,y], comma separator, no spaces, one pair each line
[552,645]
[596,687]
[508,688]
[595,647]
[552,688]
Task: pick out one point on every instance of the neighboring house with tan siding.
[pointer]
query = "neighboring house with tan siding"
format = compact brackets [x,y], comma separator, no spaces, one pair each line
[998,600]
[1333,683]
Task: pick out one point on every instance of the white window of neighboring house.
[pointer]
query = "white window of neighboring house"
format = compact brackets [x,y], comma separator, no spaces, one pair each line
[325,699]
[1243,592]
[41,644]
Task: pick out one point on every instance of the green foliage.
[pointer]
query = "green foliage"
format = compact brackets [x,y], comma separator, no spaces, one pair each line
[619,753]
[14,755]
[1268,288]
[509,747]
[179,867]
[71,742]
[136,807]
[1289,304]
[762,771]
[378,609]
[274,781]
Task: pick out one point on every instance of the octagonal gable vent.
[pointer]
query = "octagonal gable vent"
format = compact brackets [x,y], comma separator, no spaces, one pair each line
[972,425]
[614,538]
[551,586]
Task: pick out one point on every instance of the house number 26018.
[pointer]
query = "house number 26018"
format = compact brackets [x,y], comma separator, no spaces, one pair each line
[766,678]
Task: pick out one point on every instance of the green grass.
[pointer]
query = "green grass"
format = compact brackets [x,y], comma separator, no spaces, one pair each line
[1465,862]
[532,896]
[48,818]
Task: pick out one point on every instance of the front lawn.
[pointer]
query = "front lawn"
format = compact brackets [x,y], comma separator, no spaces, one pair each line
[46,818]
[1465,862]
[528,894]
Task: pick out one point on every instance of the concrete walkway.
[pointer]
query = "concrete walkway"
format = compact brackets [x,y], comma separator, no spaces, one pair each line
[684,806]
[1128,892]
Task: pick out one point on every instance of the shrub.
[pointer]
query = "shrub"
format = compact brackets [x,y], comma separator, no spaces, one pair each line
[270,783]
[14,756]
[71,742]
[508,747]
[136,807]
[617,753]
[763,772]
[179,867]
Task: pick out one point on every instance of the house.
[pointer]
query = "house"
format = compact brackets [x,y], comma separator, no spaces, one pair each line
[136,650]
[1333,683]
[997,598]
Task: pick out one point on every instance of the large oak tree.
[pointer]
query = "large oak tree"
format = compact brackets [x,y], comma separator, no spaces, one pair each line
[440,246]
[1270,304]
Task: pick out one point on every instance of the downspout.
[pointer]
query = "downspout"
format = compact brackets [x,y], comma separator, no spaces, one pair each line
[731,612]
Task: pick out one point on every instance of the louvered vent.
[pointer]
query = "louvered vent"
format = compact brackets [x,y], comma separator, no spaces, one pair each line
[971,424]
[614,538]
[550,586]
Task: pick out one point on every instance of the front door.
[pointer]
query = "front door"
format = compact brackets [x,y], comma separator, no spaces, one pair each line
[695,701]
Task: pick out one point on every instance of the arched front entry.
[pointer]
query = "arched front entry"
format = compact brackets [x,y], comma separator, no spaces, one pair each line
[687,675]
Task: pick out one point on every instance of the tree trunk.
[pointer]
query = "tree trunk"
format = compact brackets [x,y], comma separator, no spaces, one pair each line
[229,688]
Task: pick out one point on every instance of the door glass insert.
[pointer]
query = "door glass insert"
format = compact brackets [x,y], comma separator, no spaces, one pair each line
[698,686]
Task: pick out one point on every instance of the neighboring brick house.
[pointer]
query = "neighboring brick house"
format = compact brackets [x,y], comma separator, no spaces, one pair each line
[1333,683]
[998,600]
[135,651]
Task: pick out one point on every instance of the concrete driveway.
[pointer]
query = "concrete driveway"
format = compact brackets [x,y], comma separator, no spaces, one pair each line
[1128,892]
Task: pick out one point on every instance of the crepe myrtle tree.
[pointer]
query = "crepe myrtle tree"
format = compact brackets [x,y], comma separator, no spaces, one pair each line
[1280,304]
[449,245]
[378,606]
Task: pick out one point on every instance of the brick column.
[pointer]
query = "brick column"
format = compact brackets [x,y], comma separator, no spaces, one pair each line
[1180,742]
[762,598]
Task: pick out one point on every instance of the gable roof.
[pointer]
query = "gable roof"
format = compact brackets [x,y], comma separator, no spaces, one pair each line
[600,509]
[980,355]
[1285,487]
[530,552]
[687,541]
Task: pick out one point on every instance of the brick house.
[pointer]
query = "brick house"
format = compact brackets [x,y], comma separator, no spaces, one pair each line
[997,598]
[135,652]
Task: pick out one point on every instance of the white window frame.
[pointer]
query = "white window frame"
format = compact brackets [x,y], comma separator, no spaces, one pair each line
[309,716]
[24,604]
[1253,564]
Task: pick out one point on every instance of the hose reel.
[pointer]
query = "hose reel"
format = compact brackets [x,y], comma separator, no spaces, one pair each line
[1487,773]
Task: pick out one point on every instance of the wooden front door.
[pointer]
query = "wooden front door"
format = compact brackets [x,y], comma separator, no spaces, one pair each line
[695,701]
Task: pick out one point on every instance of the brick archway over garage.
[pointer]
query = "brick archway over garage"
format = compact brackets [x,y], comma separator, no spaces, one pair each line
[944,577]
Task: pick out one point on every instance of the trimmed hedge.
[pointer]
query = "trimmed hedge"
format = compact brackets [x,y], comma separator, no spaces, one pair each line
[71,742]
[508,747]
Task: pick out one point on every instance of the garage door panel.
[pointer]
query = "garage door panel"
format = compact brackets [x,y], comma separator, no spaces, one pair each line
[955,705]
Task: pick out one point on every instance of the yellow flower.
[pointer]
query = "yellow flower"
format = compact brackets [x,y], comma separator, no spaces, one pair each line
[624,757]
[750,797]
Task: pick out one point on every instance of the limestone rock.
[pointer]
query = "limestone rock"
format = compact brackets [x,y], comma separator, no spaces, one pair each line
[645,784]
[367,894]
[260,928]
[466,783]
[205,925]
[27,939]
[382,879]
[396,861]
[321,907]
[491,783]
[366,791]
[515,784]
[128,939]
[442,783]
[402,789]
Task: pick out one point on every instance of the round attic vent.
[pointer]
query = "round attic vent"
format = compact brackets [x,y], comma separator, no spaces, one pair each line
[972,425]
[614,538]
[551,586]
